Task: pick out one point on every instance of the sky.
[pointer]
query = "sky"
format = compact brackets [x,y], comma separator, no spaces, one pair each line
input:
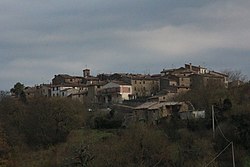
[43,38]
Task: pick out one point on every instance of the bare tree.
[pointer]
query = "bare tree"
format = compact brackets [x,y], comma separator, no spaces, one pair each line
[235,75]
[3,94]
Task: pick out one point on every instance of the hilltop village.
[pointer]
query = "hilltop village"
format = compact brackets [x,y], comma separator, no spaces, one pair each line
[117,87]
[188,116]
[135,92]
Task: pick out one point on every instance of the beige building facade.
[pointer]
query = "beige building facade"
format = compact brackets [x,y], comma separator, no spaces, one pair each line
[144,87]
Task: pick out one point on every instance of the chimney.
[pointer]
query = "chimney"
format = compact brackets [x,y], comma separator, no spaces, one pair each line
[190,66]
[86,73]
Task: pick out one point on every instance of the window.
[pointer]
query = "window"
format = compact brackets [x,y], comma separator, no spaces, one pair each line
[143,82]
[135,82]
[135,88]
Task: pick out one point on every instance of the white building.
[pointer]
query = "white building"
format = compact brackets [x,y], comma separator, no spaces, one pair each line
[63,91]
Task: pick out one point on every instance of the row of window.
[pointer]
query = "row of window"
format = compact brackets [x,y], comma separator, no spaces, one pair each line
[142,82]
[55,88]
[144,88]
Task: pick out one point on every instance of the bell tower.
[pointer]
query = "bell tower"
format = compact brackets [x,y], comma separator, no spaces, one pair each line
[86,73]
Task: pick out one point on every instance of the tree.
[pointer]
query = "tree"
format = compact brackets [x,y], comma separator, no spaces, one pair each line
[137,146]
[42,121]
[49,121]
[17,89]
[235,75]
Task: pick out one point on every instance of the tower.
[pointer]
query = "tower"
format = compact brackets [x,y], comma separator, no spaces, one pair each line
[86,73]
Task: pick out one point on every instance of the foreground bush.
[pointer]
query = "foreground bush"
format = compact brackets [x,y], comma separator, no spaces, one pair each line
[41,122]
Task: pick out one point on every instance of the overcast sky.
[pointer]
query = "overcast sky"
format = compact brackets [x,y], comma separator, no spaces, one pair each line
[39,39]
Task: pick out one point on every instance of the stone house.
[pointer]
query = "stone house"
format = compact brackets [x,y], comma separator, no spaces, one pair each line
[206,80]
[45,90]
[66,79]
[196,69]
[93,89]
[145,86]
[224,76]
[31,92]
[191,76]
[166,82]
[81,96]
[152,112]
[68,91]
[162,96]
[115,92]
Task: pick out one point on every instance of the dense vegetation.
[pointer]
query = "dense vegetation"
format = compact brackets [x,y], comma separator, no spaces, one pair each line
[44,132]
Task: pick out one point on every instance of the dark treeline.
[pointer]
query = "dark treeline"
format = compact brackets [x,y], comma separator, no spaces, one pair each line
[60,132]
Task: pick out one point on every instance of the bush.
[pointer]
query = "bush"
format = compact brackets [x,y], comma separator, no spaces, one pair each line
[42,121]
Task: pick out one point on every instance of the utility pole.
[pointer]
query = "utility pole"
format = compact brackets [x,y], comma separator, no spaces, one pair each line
[233,154]
[230,143]
[213,120]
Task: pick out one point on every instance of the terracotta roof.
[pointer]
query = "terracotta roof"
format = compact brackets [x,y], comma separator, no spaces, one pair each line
[69,85]
[120,82]
[66,76]
[160,104]
[219,73]
[156,105]
[145,105]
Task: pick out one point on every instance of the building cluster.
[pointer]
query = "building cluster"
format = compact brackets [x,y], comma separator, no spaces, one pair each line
[154,93]
[118,87]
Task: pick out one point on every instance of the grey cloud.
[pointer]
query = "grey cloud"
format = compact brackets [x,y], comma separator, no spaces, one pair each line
[43,38]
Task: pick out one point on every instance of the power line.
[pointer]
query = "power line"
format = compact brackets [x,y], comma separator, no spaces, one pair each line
[223,135]
[218,154]
[230,142]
